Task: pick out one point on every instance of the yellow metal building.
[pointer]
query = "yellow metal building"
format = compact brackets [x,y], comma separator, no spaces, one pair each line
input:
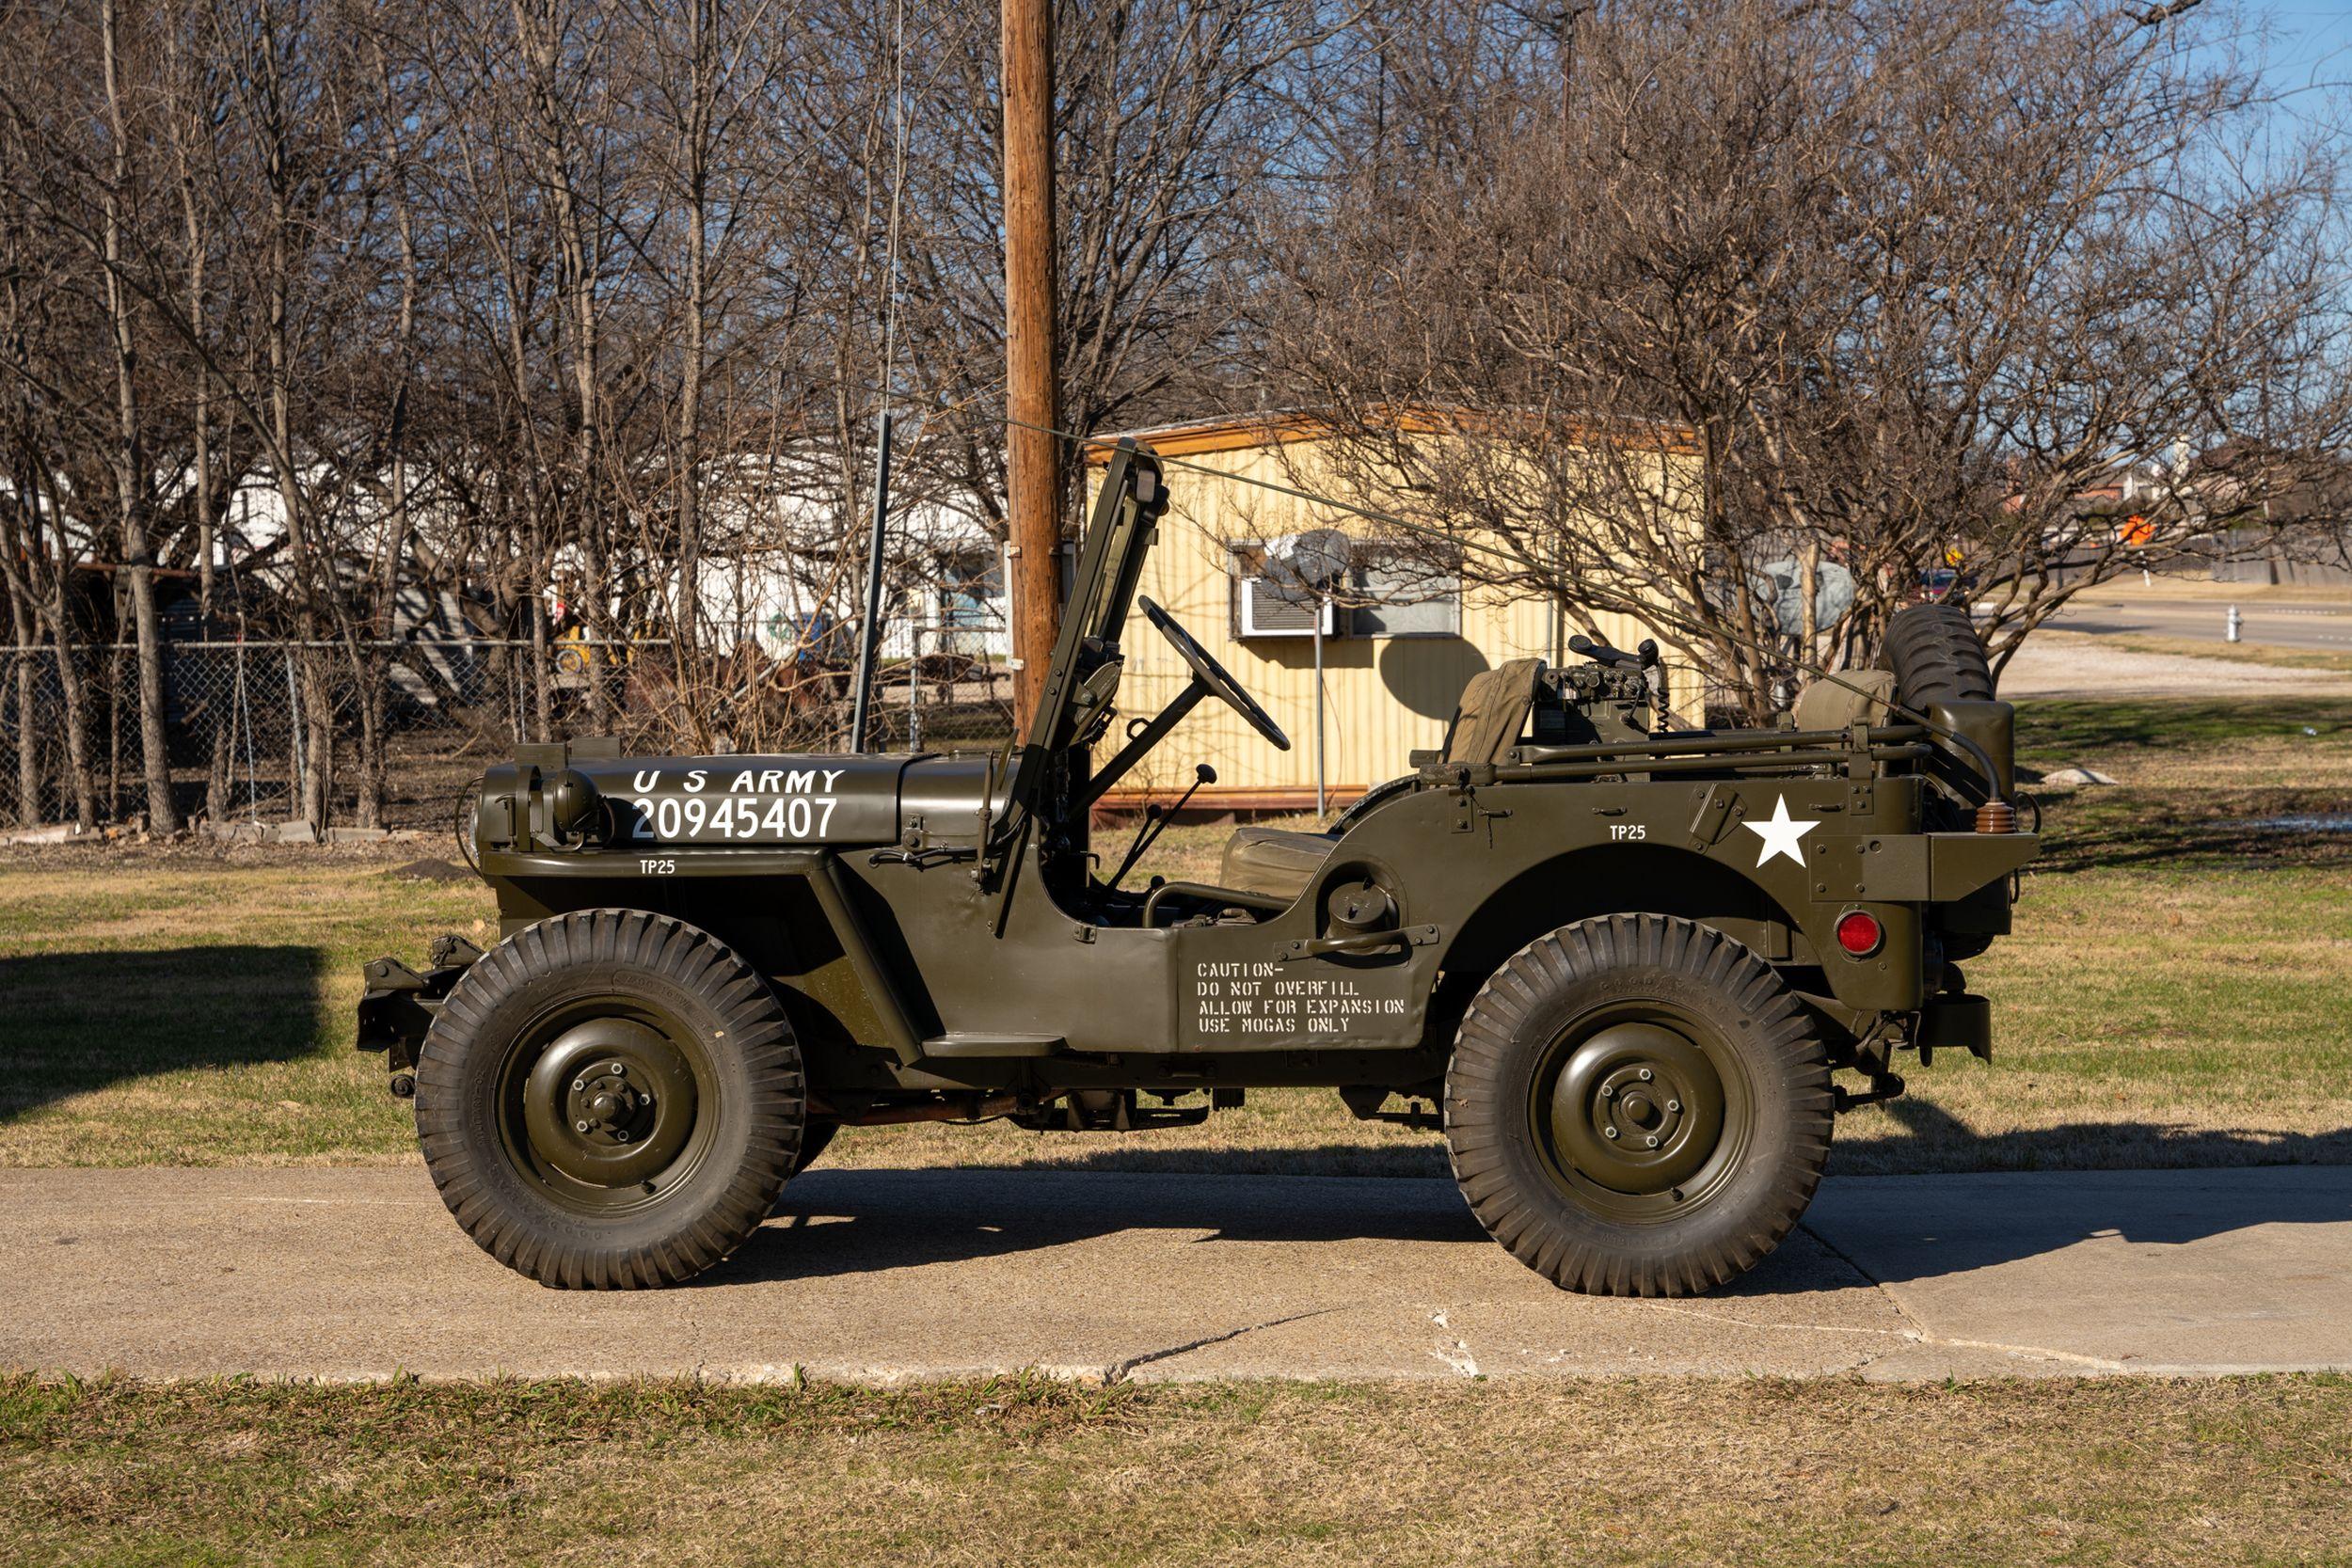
[1391,679]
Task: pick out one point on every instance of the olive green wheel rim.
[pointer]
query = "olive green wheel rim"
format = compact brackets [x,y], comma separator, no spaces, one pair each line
[1642,1112]
[605,1105]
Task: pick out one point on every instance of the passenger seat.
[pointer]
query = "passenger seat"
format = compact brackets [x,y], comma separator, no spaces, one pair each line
[1281,862]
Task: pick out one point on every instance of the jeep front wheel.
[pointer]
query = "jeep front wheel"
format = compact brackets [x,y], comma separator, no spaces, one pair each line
[609,1100]
[1637,1107]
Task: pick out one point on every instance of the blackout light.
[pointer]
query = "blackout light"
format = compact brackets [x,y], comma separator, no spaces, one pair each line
[1859,933]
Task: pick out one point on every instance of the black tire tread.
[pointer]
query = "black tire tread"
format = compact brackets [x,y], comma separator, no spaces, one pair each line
[1937,656]
[755,1029]
[1481,1105]
[815,1138]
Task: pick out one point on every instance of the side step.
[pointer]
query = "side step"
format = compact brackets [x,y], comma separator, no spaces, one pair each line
[963,1045]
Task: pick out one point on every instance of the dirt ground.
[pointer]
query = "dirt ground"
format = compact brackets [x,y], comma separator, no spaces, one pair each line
[2078,665]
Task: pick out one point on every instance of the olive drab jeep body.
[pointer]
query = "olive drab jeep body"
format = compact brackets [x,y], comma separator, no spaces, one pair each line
[1615,963]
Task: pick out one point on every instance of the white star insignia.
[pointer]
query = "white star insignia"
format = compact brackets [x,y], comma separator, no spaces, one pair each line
[1780,836]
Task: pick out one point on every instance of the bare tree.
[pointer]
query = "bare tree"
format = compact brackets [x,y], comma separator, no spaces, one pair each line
[1868,291]
[1173,118]
[133,477]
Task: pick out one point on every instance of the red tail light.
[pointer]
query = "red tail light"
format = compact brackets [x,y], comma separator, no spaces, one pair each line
[1859,933]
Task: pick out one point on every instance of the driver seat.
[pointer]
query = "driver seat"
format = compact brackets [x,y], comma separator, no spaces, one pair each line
[1282,862]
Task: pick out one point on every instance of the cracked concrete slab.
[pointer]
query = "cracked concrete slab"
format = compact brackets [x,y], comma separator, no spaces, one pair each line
[887,1276]
[2160,1271]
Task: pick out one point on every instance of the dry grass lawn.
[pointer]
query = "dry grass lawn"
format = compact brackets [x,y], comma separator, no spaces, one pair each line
[2175,992]
[1763,1473]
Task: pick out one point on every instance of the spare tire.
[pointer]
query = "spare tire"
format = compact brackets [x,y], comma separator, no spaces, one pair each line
[1937,656]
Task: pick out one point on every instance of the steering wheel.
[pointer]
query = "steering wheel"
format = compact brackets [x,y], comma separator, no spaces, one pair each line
[1215,676]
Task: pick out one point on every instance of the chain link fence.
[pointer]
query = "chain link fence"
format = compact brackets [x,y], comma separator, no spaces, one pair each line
[251,724]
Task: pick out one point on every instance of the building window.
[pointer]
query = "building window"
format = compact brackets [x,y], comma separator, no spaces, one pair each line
[1389,592]
[1399,592]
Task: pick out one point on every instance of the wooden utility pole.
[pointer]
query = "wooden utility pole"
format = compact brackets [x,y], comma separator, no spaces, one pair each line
[1033,465]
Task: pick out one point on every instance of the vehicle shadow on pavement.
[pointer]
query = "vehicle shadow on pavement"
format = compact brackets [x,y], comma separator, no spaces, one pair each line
[1137,1158]
[832,1223]
[2028,1197]
[75,1022]
[857,1221]
[1860,1230]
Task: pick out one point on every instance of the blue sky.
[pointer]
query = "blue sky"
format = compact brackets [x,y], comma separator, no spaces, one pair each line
[2311,39]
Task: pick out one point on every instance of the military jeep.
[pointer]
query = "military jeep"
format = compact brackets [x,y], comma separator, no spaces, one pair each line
[1617,962]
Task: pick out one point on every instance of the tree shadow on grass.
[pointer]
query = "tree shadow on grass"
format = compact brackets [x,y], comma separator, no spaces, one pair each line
[1936,1143]
[2054,731]
[75,1022]
[2239,830]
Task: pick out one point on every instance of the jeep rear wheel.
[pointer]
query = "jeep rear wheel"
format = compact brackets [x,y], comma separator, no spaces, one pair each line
[609,1100]
[1637,1107]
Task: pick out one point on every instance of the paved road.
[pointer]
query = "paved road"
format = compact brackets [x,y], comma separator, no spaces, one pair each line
[2311,627]
[886,1276]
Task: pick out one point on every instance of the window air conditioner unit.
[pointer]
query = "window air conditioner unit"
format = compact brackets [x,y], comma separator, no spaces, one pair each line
[1269,609]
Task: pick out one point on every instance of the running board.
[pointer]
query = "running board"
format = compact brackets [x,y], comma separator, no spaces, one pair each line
[966,1046]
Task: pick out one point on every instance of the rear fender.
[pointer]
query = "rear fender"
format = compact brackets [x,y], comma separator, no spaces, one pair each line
[1616,878]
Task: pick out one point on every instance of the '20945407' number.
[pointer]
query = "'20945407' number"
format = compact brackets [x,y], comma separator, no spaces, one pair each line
[731,816]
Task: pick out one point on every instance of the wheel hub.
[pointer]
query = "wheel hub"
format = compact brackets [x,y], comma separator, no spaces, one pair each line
[606,1107]
[609,1103]
[1637,1108]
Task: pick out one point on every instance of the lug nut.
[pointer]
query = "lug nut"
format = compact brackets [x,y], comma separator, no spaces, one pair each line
[578,1083]
[579,1126]
[621,1134]
[1651,1140]
[1675,1105]
[1647,1075]
[1608,1091]
[1610,1132]
[617,1070]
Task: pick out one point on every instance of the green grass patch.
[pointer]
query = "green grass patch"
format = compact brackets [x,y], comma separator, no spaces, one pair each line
[193,1013]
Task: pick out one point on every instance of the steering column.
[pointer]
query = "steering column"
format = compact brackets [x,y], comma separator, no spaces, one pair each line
[1209,679]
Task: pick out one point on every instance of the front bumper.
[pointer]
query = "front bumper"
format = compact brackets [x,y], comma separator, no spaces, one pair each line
[397,1005]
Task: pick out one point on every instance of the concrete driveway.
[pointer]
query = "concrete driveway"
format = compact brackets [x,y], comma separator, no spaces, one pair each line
[884,1276]
[2273,623]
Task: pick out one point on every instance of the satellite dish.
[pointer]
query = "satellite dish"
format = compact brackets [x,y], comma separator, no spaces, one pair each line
[1313,560]
[1779,589]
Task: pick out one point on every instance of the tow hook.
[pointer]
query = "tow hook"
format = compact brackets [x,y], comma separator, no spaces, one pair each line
[1883,1086]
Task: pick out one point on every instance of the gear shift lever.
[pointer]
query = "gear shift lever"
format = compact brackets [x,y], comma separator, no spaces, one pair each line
[1155,820]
